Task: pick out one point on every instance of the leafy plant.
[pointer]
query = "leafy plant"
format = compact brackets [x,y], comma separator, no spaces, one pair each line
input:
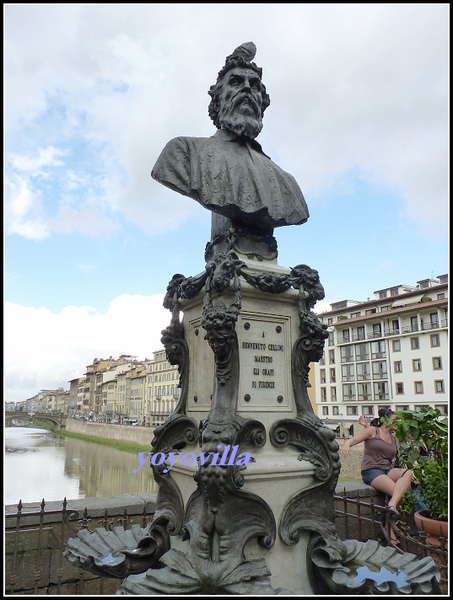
[408,503]
[423,440]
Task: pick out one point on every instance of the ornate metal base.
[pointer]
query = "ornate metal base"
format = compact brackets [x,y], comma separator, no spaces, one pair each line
[235,524]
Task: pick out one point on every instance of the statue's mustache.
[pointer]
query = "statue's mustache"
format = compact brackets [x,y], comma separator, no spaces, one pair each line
[245,97]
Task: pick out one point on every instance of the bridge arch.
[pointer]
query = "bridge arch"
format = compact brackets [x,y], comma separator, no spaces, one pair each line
[59,421]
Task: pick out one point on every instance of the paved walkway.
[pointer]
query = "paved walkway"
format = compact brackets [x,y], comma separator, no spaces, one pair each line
[350,466]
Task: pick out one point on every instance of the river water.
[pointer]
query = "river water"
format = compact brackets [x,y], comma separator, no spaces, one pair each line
[41,464]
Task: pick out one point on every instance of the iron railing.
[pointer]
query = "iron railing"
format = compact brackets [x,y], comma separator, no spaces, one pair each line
[365,519]
[36,539]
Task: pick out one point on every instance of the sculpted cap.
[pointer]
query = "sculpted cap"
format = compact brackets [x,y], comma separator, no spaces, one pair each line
[241,57]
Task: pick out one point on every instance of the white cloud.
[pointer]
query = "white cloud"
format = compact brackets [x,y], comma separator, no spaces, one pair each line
[46,350]
[322,306]
[89,222]
[23,210]
[353,87]
[45,157]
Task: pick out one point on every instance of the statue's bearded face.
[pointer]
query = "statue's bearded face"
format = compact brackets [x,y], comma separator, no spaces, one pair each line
[241,102]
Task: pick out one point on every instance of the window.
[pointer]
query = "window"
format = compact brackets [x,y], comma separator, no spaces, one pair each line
[440,296]
[345,335]
[335,410]
[322,375]
[370,311]
[437,363]
[361,333]
[380,370]
[383,294]
[420,407]
[397,366]
[362,351]
[363,371]
[434,320]
[378,349]
[332,338]
[381,390]
[399,388]
[352,411]
[325,410]
[385,308]
[377,330]
[418,385]
[435,340]
[354,315]
[330,321]
[416,364]
[402,407]
[347,354]
[331,357]
[395,326]
[364,392]
[338,305]
[323,395]
[333,394]
[394,292]
[415,343]
[368,411]
[349,392]
[347,373]
[443,408]
[439,386]
[396,345]
[333,376]
[414,323]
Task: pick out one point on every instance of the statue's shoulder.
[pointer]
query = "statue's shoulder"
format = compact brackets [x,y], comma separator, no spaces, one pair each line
[180,161]
[186,142]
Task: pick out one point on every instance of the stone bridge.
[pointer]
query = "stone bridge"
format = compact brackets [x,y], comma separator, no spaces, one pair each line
[59,421]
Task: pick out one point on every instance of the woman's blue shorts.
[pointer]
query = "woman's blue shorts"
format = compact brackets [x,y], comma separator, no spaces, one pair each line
[370,474]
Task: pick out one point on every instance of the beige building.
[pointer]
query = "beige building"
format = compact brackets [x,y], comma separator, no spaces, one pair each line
[163,389]
[391,351]
[137,396]
[75,401]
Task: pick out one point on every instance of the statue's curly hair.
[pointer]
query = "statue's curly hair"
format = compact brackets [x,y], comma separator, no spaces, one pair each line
[214,91]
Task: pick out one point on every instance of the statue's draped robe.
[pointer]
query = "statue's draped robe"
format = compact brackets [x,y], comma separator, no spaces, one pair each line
[232,177]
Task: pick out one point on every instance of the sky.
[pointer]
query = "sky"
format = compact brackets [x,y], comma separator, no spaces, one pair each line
[93,92]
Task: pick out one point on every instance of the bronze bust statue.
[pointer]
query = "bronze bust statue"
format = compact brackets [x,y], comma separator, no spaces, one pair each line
[228,173]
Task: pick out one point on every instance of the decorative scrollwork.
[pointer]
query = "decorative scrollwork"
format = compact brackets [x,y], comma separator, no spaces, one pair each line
[312,508]
[176,433]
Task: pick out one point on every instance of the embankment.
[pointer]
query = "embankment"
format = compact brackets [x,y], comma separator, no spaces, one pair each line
[130,434]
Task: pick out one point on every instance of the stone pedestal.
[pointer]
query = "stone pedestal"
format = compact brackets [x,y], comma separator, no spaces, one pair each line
[248,508]
[275,477]
[267,328]
[244,343]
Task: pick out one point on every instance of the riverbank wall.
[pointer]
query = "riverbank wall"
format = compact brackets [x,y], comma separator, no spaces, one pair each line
[131,434]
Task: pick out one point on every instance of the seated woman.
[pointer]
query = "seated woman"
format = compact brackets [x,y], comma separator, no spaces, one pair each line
[380,450]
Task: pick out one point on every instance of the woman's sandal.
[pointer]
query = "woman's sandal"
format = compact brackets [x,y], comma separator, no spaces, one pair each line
[392,510]
[395,541]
